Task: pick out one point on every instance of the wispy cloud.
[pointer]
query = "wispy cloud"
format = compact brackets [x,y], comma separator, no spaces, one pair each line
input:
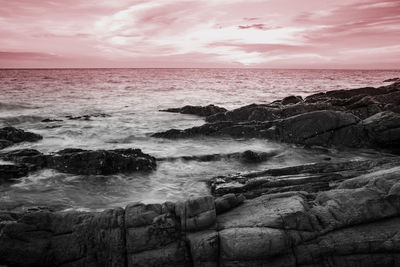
[164,33]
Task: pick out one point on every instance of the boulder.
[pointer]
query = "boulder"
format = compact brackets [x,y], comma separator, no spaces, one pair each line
[202,111]
[12,171]
[32,158]
[103,162]
[11,135]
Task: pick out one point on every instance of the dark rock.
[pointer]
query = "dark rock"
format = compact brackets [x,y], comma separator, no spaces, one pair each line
[197,110]
[247,156]
[15,135]
[391,80]
[87,117]
[291,100]
[63,239]
[308,178]
[29,157]
[51,120]
[102,162]
[5,143]
[9,172]
[356,223]
[228,202]
[384,129]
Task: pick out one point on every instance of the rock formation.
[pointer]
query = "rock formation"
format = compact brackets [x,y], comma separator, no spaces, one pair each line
[11,135]
[79,161]
[365,117]
[197,110]
[352,222]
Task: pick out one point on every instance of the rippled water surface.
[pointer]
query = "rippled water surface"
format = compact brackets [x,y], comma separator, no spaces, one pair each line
[125,103]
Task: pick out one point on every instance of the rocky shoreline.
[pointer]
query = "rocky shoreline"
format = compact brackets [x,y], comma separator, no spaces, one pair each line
[320,214]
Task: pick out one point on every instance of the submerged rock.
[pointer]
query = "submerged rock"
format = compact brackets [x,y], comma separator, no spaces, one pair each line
[202,111]
[392,80]
[104,162]
[11,135]
[247,156]
[12,171]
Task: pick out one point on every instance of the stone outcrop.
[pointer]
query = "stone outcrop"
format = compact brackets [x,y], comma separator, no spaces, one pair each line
[197,110]
[103,162]
[354,222]
[79,161]
[323,128]
[248,156]
[362,102]
[11,135]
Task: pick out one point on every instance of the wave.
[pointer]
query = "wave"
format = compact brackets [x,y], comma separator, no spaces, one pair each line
[13,106]
[12,120]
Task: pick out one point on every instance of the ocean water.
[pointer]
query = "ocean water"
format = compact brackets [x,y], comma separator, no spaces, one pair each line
[124,106]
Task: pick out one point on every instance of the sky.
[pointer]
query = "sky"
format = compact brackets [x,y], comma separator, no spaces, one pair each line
[354,34]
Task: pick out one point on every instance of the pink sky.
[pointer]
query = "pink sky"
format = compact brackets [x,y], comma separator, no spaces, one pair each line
[199,33]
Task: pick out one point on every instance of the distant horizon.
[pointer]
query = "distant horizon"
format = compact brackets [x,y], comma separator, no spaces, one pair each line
[255,34]
[177,68]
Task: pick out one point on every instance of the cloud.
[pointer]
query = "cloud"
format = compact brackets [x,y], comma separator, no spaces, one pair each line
[252,33]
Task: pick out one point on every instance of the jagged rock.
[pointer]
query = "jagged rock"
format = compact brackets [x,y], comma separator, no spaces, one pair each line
[247,156]
[5,143]
[11,135]
[79,161]
[29,157]
[51,120]
[354,224]
[391,80]
[322,128]
[197,110]
[362,102]
[102,162]
[10,171]
[310,178]
[291,100]
[62,239]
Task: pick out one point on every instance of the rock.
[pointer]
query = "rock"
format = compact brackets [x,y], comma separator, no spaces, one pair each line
[228,202]
[29,157]
[197,110]
[153,236]
[5,143]
[11,135]
[196,214]
[391,80]
[103,162]
[247,156]
[51,120]
[355,223]
[63,239]
[309,178]
[291,100]
[9,172]
[384,129]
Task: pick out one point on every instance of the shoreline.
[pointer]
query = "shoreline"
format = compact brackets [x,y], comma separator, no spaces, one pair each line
[315,214]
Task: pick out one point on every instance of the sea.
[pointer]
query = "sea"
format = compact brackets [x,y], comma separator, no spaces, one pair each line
[124,104]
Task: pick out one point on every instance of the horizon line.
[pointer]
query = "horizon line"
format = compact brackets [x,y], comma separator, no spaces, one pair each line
[242,68]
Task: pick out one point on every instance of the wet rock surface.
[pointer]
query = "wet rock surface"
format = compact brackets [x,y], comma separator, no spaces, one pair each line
[203,111]
[247,156]
[352,222]
[364,117]
[11,135]
[86,162]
